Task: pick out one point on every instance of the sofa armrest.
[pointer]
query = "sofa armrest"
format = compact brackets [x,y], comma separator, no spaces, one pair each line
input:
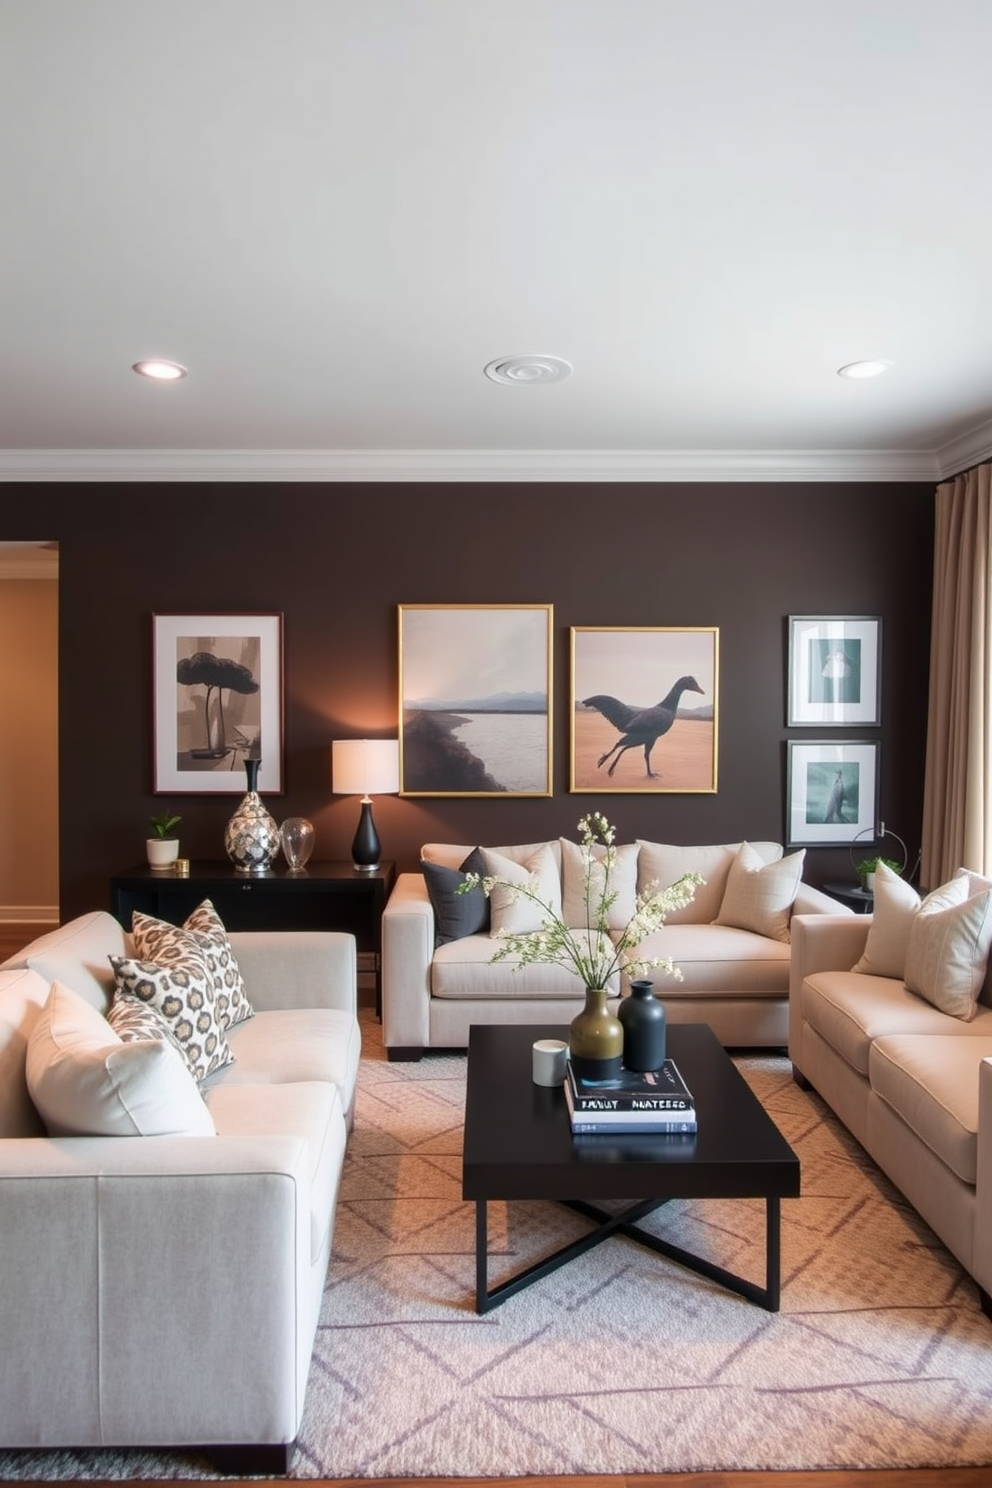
[216,1228]
[810,900]
[820,942]
[981,1268]
[298,969]
[407,952]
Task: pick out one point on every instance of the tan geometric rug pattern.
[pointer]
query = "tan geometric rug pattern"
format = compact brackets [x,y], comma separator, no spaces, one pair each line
[621,1361]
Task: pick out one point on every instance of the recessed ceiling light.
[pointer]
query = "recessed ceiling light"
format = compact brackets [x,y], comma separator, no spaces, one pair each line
[864,369]
[528,369]
[159,370]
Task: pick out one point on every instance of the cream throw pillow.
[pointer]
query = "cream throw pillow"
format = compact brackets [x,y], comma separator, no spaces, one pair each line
[517,914]
[579,915]
[948,951]
[85,1081]
[759,896]
[895,908]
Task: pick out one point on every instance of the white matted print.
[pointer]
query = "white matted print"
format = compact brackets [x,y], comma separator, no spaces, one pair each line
[834,670]
[475,684]
[218,700]
[832,792]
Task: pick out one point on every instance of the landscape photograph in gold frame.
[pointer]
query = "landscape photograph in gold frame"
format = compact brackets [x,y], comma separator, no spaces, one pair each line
[644,709]
[475,689]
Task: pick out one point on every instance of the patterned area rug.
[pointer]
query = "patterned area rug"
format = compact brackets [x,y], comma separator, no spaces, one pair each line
[621,1362]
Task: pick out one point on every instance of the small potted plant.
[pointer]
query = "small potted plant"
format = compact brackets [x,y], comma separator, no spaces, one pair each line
[867,868]
[163,846]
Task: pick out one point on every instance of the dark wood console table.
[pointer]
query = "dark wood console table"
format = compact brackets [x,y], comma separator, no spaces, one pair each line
[324,896]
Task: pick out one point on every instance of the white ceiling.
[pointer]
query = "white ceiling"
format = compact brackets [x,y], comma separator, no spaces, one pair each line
[336,212]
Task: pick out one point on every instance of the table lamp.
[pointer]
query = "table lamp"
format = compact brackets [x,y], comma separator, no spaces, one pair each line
[366,768]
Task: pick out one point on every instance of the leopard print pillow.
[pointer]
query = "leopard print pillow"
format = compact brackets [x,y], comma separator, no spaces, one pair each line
[182,992]
[203,932]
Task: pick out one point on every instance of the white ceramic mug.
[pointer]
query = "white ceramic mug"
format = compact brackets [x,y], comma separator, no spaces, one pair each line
[550,1056]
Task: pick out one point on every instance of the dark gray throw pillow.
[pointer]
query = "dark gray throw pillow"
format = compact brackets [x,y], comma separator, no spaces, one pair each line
[456,915]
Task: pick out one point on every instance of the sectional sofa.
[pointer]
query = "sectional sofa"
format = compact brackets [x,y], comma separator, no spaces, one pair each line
[731,943]
[891,1024]
[166,1237]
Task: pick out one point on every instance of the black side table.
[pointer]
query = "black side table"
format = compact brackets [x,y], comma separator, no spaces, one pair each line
[324,896]
[853,894]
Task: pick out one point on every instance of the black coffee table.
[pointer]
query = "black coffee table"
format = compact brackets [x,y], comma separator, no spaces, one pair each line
[519,1145]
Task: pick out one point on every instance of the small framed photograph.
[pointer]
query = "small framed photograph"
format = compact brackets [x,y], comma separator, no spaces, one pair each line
[475,684]
[832,792]
[834,670]
[217,693]
[644,709]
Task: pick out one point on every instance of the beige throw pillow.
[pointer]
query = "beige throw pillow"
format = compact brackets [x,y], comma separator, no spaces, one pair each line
[519,914]
[580,913]
[895,908]
[85,1081]
[759,896]
[948,951]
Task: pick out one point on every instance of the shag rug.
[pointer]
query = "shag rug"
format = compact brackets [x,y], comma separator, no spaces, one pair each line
[621,1362]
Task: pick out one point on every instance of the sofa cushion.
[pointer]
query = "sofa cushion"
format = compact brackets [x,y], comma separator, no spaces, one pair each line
[895,905]
[203,931]
[580,912]
[719,959]
[308,1110]
[456,914]
[948,952]
[664,863]
[22,996]
[759,896]
[932,1085]
[515,913]
[451,854]
[292,1045]
[849,1009]
[77,955]
[183,993]
[85,1081]
[465,969]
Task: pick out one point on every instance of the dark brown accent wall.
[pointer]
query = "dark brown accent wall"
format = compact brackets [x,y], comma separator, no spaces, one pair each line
[337,560]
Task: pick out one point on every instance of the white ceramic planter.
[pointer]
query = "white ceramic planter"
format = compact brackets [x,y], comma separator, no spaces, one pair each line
[162,851]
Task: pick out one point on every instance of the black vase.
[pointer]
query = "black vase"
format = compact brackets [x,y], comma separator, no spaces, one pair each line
[643,1019]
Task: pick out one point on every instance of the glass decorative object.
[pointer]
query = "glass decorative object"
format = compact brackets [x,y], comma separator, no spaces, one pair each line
[298,837]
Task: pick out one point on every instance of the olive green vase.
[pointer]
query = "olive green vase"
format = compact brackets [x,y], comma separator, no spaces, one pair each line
[595,1039]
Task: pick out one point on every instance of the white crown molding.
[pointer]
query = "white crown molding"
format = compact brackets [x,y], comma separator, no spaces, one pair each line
[967,450]
[468,465]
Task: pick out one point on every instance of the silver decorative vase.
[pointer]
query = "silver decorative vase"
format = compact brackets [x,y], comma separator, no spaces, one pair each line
[251,838]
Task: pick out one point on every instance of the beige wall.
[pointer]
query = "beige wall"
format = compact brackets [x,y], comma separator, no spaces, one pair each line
[29,863]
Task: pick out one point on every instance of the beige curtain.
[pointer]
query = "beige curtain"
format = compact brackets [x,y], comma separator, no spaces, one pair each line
[957,812]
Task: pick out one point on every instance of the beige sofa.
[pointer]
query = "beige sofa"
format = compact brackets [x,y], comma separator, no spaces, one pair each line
[909,1078]
[731,944]
[163,1290]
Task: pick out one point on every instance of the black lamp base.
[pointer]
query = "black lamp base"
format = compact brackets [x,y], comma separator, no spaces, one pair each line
[366,847]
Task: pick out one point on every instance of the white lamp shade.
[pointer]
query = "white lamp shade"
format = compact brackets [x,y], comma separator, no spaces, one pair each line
[365,767]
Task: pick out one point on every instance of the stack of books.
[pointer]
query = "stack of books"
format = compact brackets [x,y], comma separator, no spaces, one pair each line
[657,1101]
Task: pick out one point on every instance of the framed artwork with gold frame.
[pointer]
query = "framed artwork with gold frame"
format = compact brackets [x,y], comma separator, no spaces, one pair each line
[475,690]
[644,709]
